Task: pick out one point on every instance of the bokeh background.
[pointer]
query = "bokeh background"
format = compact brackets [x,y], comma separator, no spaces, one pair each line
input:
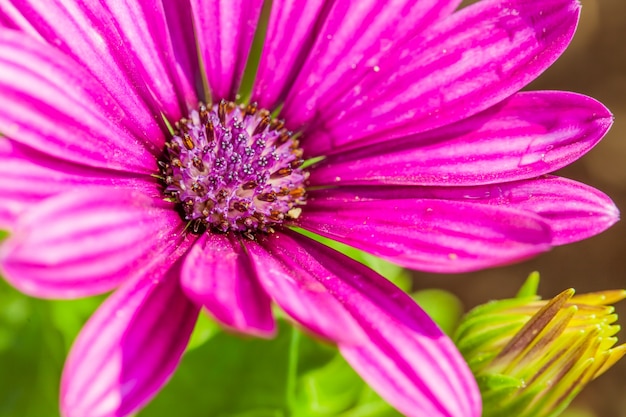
[594,64]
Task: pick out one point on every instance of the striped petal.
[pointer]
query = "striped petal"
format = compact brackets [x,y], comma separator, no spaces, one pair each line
[29,176]
[297,292]
[50,103]
[225,30]
[131,47]
[528,135]
[217,275]
[572,210]
[314,48]
[462,65]
[129,348]
[88,242]
[433,235]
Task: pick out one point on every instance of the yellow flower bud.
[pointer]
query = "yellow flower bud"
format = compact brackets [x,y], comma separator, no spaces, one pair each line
[531,357]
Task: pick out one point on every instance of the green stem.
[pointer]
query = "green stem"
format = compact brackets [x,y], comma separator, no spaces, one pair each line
[292,368]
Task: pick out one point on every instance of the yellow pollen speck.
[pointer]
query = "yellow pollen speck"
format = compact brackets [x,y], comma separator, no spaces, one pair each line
[295,212]
[376,68]
[453,256]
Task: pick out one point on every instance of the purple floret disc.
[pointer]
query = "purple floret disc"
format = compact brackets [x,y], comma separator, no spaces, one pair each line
[233,168]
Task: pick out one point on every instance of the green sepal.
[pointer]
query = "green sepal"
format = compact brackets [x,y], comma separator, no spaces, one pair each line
[530,286]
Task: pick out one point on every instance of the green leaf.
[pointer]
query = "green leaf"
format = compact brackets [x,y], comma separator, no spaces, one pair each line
[328,390]
[31,357]
[442,306]
[229,376]
[35,336]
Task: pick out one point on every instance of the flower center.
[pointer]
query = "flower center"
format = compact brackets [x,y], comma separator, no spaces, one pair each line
[233,168]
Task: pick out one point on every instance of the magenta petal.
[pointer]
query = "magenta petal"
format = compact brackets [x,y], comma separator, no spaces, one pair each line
[324,45]
[155,45]
[217,275]
[29,176]
[299,293]
[291,31]
[225,30]
[572,210]
[52,105]
[403,355]
[11,18]
[528,135]
[464,64]
[127,46]
[88,242]
[129,348]
[430,234]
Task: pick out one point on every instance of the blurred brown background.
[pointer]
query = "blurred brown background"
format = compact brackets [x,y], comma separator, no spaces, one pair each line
[594,64]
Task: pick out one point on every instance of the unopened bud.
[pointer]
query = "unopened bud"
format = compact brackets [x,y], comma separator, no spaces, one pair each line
[531,357]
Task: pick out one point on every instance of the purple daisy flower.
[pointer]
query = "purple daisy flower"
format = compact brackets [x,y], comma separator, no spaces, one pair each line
[129,162]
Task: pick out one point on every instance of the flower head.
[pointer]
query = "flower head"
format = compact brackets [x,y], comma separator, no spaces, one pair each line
[532,357]
[131,162]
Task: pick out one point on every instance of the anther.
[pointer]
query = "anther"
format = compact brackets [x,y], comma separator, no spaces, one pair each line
[251,109]
[268,197]
[187,141]
[297,192]
[204,114]
[221,195]
[208,206]
[198,226]
[221,112]
[277,124]
[277,215]
[296,163]
[181,125]
[209,130]
[284,137]
[263,124]
[240,206]
[224,226]
[197,162]
[198,188]
[172,148]
[250,185]
[298,153]
[283,172]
